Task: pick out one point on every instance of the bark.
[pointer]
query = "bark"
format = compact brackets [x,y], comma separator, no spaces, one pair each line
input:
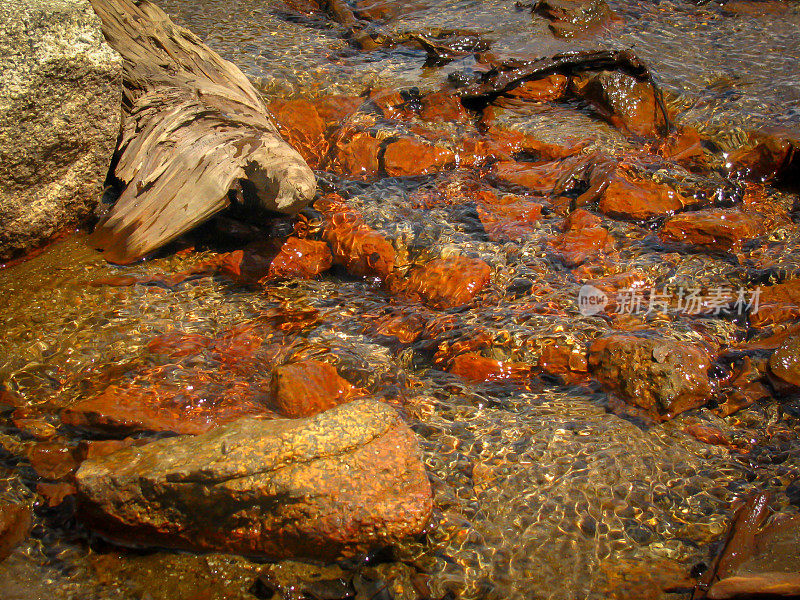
[194,129]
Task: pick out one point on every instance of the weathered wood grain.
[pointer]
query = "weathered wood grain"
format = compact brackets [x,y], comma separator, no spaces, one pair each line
[194,128]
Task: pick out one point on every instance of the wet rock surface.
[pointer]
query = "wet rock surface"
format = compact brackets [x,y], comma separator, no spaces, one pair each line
[344,482]
[661,376]
[60,95]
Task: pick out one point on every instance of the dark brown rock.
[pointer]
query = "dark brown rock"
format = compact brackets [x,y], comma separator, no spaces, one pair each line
[344,482]
[661,376]
[768,156]
[15,524]
[55,493]
[309,387]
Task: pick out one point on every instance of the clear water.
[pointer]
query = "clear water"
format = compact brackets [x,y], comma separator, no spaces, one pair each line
[540,492]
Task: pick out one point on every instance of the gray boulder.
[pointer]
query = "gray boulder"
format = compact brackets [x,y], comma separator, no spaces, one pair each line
[60,110]
[343,482]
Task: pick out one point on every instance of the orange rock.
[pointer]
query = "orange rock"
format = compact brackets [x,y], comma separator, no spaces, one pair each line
[55,493]
[90,449]
[561,359]
[177,344]
[15,525]
[776,303]
[550,88]
[714,228]
[538,177]
[685,146]
[336,108]
[306,388]
[508,217]
[406,328]
[301,126]
[442,107]
[408,157]
[52,460]
[300,258]
[576,246]
[357,156]
[447,282]
[580,219]
[357,247]
[474,367]
[634,200]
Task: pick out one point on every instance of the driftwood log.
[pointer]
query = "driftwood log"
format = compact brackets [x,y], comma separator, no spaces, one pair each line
[194,129]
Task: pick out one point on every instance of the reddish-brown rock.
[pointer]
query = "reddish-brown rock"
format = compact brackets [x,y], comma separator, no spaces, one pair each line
[336,108]
[409,156]
[626,102]
[768,156]
[580,219]
[347,481]
[658,375]
[637,200]
[538,177]
[714,228]
[359,248]
[442,107]
[177,344]
[15,524]
[302,127]
[572,18]
[52,460]
[563,359]
[785,361]
[301,259]
[550,88]
[507,217]
[775,303]
[55,493]
[474,367]
[576,246]
[356,155]
[306,388]
[445,282]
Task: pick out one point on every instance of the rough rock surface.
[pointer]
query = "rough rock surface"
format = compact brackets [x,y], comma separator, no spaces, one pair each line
[309,387]
[785,362]
[60,94]
[343,482]
[661,376]
[719,229]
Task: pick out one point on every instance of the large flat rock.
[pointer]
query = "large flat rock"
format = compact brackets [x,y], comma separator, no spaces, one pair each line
[343,482]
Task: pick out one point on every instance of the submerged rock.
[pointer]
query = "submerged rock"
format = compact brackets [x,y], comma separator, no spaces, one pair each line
[306,388]
[661,376]
[15,524]
[631,199]
[624,101]
[341,483]
[714,229]
[570,18]
[60,94]
[444,282]
[785,362]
